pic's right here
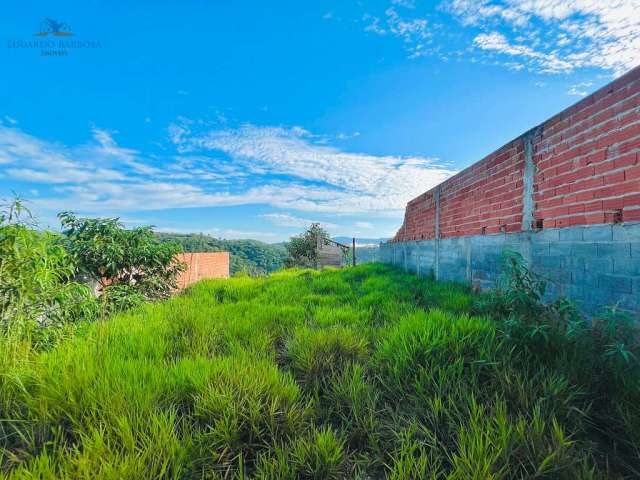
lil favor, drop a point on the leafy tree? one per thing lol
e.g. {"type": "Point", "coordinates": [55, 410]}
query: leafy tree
{"type": "Point", "coordinates": [36, 278]}
{"type": "Point", "coordinates": [303, 248]}
{"type": "Point", "coordinates": [128, 264]}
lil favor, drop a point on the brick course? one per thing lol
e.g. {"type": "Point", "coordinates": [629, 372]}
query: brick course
{"type": "Point", "coordinates": [203, 265]}
{"type": "Point", "coordinates": [587, 171]}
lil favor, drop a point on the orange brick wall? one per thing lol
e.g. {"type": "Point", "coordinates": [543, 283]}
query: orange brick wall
{"type": "Point", "coordinates": [420, 217]}
{"type": "Point", "coordinates": [203, 265]}
{"type": "Point", "coordinates": [488, 194]}
{"type": "Point", "coordinates": [587, 171]}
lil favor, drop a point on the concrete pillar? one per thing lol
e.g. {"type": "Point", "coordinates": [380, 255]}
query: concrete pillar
{"type": "Point", "coordinates": [528, 174]}
{"type": "Point", "coordinates": [528, 204]}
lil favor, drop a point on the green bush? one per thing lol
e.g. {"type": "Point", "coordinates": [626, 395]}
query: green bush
{"type": "Point", "coordinates": [38, 294]}
{"type": "Point", "coordinates": [45, 276]}
{"type": "Point", "coordinates": [134, 260]}
{"type": "Point", "coordinates": [302, 249]}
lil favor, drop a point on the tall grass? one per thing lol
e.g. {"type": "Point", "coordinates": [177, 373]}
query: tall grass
{"type": "Point", "coordinates": [358, 373]}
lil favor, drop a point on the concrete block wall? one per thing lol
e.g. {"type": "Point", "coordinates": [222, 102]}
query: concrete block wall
{"type": "Point", "coordinates": [594, 265]}
{"type": "Point", "coordinates": [566, 194]}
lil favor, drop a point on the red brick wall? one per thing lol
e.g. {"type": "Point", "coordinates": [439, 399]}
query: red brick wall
{"type": "Point", "coordinates": [587, 161]}
{"type": "Point", "coordinates": [420, 217]}
{"type": "Point", "coordinates": [488, 194]}
{"type": "Point", "coordinates": [588, 169]}
{"type": "Point", "coordinates": [203, 265]}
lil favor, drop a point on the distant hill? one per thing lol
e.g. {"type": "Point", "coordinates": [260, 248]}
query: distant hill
{"type": "Point", "coordinates": [252, 256]}
{"type": "Point", "coordinates": [258, 258]}
{"type": "Point", "coordinates": [367, 249]}
{"type": "Point", "coordinates": [360, 241]}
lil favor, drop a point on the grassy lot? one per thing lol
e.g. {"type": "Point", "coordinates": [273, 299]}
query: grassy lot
{"type": "Point", "coordinates": [360, 373]}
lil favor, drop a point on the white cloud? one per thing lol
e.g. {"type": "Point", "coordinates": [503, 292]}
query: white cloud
{"type": "Point", "coordinates": [289, 220]}
{"type": "Point", "coordinates": [404, 3]}
{"type": "Point", "coordinates": [356, 182]}
{"type": "Point", "coordinates": [473, 12]}
{"type": "Point", "coordinates": [414, 32]}
{"type": "Point", "coordinates": [373, 25]}
{"type": "Point", "coordinates": [108, 150]}
{"type": "Point", "coordinates": [71, 175]}
{"type": "Point", "coordinates": [33, 160]}
{"type": "Point", "coordinates": [546, 63]}
{"type": "Point", "coordinates": [228, 233]}
{"type": "Point", "coordinates": [561, 35]}
{"type": "Point", "coordinates": [108, 146]}
{"type": "Point", "coordinates": [579, 89]}
{"type": "Point", "coordinates": [287, 168]}
{"type": "Point", "coordinates": [365, 225]}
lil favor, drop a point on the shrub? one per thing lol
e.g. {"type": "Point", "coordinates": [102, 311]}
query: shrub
{"type": "Point", "coordinates": [597, 359]}
{"type": "Point", "coordinates": [111, 255]}
{"type": "Point", "coordinates": [37, 290]}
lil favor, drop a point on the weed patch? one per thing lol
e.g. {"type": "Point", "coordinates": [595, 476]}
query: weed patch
{"type": "Point", "coordinates": [358, 373]}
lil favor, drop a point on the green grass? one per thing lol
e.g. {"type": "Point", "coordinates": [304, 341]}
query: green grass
{"type": "Point", "coordinates": [357, 373]}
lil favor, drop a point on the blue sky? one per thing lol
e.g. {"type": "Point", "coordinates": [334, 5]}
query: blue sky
{"type": "Point", "coordinates": [250, 119]}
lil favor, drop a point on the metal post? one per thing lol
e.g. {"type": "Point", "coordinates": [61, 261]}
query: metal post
{"type": "Point", "coordinates": [353, 250]}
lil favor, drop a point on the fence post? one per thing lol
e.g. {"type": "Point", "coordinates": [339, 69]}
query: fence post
{"type": "Point", "coordinates": [353, 251]}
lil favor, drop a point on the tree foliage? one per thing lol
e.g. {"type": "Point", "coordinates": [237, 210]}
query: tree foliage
{"type": "Point", "coordinates": [303, 248]}
{"type": "Point", "coordinates": [37, 287]}
{"type": "Point", "coordinates": [250, 256]}
{"type": "Point", "coordinates": [122, 260]}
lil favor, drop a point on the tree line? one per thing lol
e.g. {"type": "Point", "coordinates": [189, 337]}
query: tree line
{"type": "Point", "coordinates": [246, 256]}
